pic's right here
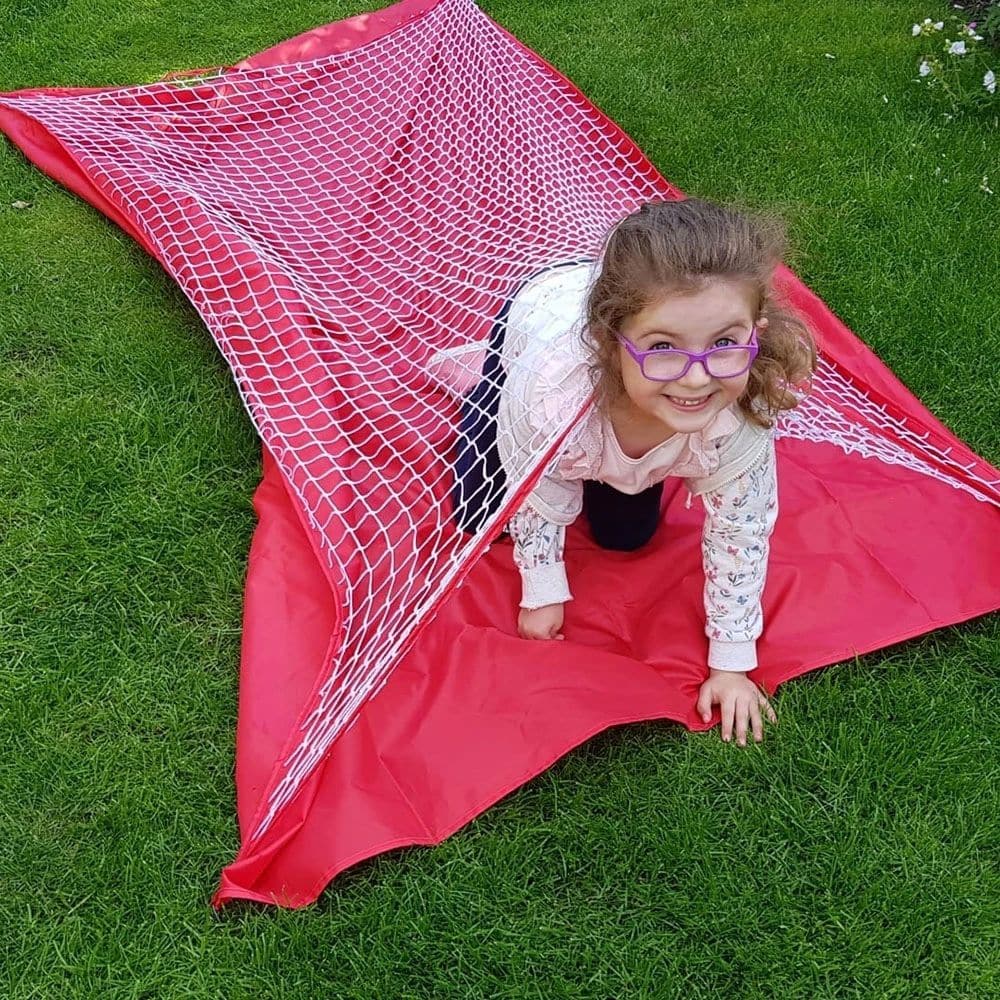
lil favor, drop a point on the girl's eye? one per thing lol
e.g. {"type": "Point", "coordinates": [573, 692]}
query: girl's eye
{"type": "Point", "coordinates": [725, 342]}
{"type": "Point", "coordinates": [662, 345]}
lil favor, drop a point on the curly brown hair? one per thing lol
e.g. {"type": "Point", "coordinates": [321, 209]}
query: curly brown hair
{"type": "Point", "coordinates": [668, 247]}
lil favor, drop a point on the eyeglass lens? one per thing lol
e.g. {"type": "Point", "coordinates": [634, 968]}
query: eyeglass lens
{"type": "Point", "coordinates": [721, 363]}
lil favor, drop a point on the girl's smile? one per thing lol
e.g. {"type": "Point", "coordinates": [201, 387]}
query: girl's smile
{"type": "Point", "coordinates": [690, 404]}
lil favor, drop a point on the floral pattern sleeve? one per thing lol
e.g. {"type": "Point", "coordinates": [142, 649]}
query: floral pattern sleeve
{"type": "Point", "coordinates": [538, 554]}
{"type": "Point", "coordinates": [739, 519]}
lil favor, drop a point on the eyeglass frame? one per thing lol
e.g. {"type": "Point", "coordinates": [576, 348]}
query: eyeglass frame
{"type": "Point", "coordinates": [752, 347]}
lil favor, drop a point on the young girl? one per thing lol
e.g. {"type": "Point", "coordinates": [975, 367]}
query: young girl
{"type": "Point", "coordinates": [675, 338]}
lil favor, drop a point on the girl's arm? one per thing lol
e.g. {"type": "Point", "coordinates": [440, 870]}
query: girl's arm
{"type": "Point", "coordinates": [524, 429]}
{"type": "Point", "coordinates": [739, 519]}
{"type": "Point", "coordinates": [538, 554]}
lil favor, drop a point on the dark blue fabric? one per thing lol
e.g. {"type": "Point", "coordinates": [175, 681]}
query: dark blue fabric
{"type": "Point", "coordinates": [480, 481]}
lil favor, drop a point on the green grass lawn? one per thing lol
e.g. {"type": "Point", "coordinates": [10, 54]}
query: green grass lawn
{"type": "Point", "coordinates": [852, 854]}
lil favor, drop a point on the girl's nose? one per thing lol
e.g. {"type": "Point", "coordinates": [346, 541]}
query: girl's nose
{"type": "Point", "coordinates": [696, 376]}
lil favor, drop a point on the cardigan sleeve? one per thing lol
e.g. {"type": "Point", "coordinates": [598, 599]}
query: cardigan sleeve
{"type": "Point", "coordinates": [538, 555]}
{"type": "Point", "coordinates": [739, 518]}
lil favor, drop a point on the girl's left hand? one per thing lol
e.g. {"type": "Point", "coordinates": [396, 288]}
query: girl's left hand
{"type": "Point", "coordinates": [740, 701]}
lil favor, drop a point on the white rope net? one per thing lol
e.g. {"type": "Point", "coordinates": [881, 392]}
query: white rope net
{"type": "Point", "coordinates": [339, 223]}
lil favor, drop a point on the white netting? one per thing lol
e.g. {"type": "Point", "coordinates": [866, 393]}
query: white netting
{"type": "Point", "coordinates": [348, 227]}
{"type": "Point", "coordinates": [837, 412]}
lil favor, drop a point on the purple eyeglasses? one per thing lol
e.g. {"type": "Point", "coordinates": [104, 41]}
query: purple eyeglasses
{"type": "Point", "coordinates": [718, 362]}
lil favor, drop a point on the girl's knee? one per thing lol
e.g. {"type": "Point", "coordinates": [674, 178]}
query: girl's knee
{"type": "Point", "coordinates": [623, 537]}
{"type": "Point", "coordinates": [619, 521]}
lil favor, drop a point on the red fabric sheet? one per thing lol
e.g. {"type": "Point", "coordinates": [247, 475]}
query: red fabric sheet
{"type": "Point", "coordinates": [865, 554]}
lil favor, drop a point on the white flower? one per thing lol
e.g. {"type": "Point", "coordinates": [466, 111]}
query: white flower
{"type": "Point", "coordinates": [990, 81]}
{"type": "Point", "coordinates": [916, 30]}
{"type": "Point", "coordinates": [925, 68]}
{"type": "Point", "coordinates": [956, 49]}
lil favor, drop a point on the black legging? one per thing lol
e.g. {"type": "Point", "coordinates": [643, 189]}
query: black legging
{"type": "Point", "coordinates": [619, 521]}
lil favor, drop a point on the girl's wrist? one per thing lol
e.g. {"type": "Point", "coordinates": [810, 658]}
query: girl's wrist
{"type": "Point", "coordinates": [544, 585]}
{"type": "Point", "coordinates": [732, 657]}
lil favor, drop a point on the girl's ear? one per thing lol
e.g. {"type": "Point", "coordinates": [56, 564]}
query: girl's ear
{"type": "Point", "coordinates": [762, 323]}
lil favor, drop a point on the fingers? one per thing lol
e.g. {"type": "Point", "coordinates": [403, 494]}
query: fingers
{"type": "Point", "coordinates": [756, 723]}
{"type": "Point", "coordinates": [742, 711]}
{"type": "Point", "coordinates": [728, 714]}
{"type": "Point", "coordinates": [539, 624]}
{"type": "Point", "coordinates": [539, 634]}
{"type": "Point", "coordinates": [742, 714]}
{"type": "Point", "coordinates": [704, 705]}
{"type": "Point", "coordinates": [769, 710]}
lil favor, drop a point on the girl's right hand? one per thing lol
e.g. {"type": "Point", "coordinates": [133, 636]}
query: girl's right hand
{"type": "Point", "coordinates": [541, 623]}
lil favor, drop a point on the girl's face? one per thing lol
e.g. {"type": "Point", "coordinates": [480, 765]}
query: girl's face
{"type": "Point", "coordinates": [719, 314]}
